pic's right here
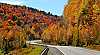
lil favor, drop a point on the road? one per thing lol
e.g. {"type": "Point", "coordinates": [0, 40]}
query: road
{"type": "Point", "coordinates": [68, 50]}
{"type": "Point", "coordinates": [54, 51]}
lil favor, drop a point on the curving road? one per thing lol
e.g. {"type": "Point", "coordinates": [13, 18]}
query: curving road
{"type": "Point", "coordinates": [67, 50]}
{"type": "Point", "coordinates": [54, 51]}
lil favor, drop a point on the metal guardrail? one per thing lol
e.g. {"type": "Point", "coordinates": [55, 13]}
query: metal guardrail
{"type": "Point", "coordinates": [45, 51]}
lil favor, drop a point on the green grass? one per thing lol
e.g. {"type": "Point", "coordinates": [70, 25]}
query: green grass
{"type": "Point", "coordinates": [1, 52]}
{"type": "Point", "coordinates": [33, 50]}
{"type": "Point", "coordinates": [36, 51]}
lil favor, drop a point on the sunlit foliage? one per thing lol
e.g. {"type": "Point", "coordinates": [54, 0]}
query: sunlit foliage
{"type": "Point", "coordinates": [21, 23]}
{"type": "Point", "coordinates": [82, 17]}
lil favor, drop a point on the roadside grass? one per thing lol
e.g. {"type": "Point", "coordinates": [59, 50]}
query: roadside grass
{"type": "Point", "coordinates": [31, 50]}
{"type": "Point", "coordinates": [36, 51]}
{"type": "Point", "coordinates": [1, 52]}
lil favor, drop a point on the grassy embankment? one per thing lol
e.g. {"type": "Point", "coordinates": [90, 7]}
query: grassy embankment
{"type": "Point", "coordinates": [31, 50]}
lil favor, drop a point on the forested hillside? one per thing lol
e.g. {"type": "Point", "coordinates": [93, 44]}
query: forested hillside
{"type": "Point", "coordinates": [21, 23]}
{"type": "Point", "coordinates": [78, 26]}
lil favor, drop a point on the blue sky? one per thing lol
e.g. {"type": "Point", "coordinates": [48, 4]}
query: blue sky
{"type": "Point", "coordinates": [53, 6]}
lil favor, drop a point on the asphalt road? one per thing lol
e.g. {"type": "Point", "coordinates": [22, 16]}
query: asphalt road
{"type": "Point", "coordinates": [54, 51]}
{"type": "Point", "coordinates": [67, 50]}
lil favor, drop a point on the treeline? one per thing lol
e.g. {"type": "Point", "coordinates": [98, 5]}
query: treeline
{"type": "Point", "coordinates": [21, 23]}
{"type": "Point", "coordinates": [80, 26]}
{"type": "Point", "coordinates": [83, 19]}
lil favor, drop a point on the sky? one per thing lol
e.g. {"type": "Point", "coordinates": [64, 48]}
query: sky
{"type": "Point", "coordinates": [54, 6]}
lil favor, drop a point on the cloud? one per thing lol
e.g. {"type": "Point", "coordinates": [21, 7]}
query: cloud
{"type": "Point", "coordinates": [14, 2]}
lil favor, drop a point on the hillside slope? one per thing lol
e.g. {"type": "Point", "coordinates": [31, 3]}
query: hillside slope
{"type": "Point", "coordinates": [21, 23]}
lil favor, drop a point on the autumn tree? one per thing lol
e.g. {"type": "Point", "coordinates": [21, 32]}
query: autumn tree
{"type": "Point", "coordinates": [82, 17]}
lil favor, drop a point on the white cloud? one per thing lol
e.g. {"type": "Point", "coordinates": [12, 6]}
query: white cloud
{"type": "Point", "coordinates": [14, 2]}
